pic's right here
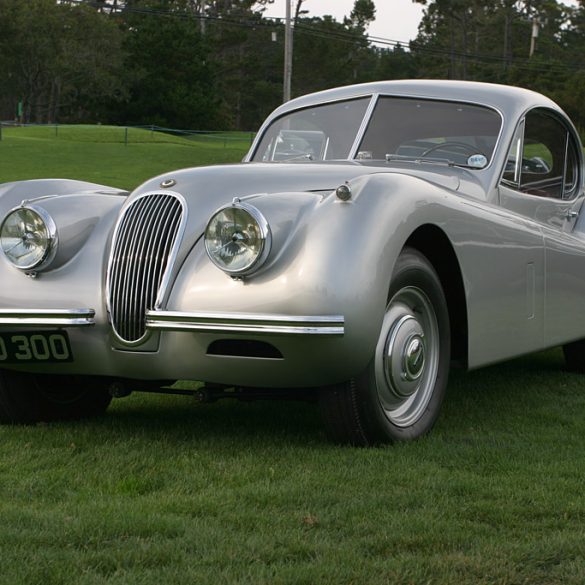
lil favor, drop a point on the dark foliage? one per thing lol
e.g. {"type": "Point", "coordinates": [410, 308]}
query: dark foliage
{"type": "Point", "coordinates": [218, 64]}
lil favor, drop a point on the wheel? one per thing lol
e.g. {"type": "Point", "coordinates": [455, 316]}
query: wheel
{"type": "Point", "coordinates": [30, 398]}
{"type": "Point", "coordinates": [399, 395]}
{"type": "Point", "coordinates": [575, 356]}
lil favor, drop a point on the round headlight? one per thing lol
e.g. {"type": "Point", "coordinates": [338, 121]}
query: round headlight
{"type": "Point", "coordinates": [237, 239]}
{"type": "Point", "coordinates": [28, 237]}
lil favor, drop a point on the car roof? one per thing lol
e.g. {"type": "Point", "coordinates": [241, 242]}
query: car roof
{"type": "Point", "coordinates": [508, 100]}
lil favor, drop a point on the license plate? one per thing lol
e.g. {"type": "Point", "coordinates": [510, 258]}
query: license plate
{"type": "Point", "coordinates": [45, 346]}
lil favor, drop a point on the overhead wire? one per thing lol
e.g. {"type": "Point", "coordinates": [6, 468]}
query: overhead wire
{"type": "Point", "coordinates": [342, 36]}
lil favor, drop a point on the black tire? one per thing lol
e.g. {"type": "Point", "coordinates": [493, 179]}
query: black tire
{"type": "Point", "coordinates": [399, 396]}
{"type": "Point", "coordinates": [575, 356]}
{"type": "Point", "coordinates": [30, 398]}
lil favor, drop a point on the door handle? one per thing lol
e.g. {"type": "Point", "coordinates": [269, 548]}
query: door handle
{"type": "Point", "coordinates": [571, 214]}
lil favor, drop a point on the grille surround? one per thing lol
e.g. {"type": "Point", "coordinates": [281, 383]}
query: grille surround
{"type": "Point", "coordinates": [144, 249]}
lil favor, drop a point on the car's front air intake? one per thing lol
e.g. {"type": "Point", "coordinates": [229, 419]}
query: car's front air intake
{"type": "Point", "coordinates": [145, 241]}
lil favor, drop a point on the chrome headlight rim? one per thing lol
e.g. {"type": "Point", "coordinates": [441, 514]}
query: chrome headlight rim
{"type": "Point", "coordinates": [265, 233]}
{"type": "Point", "coordinates": [52, 238]}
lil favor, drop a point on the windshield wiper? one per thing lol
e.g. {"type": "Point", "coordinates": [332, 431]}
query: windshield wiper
{"type": "Point", "coordinates": [427, 159]}
{"type": "Point", "coordinates": [420, 159]}
{"type": "Point", "coordinates": [297, 157]}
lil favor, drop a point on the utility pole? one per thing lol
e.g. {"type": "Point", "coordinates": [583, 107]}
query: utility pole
{"type": "Point", "coordinates": [288, 52]}
{"type": "Point", "coordinates": [535, 27]}
{"type": "Point", "coordinates": [202, 17]}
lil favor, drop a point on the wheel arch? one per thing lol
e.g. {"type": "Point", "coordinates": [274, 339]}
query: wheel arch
{"type": "Point", "coordinates": [432, 241]}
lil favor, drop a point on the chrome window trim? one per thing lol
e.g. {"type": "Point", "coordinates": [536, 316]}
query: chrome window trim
{"type": "Point", "coordinates": [246, 323]}
{"type": "Point", "coordinates": [518, 166]}
{"type": "Point", "coordinates": [270, 120]}
{"type": "Point", "coordinates": [47, 317]}
{"type": "Point", "coordinates": [451, 101]}
{"type": "Point", "coordinates": [363, 127]}
{"type": "Point", "coordinates": [571, 130]}
{"type": "Point", "coordinates": [368, 116]}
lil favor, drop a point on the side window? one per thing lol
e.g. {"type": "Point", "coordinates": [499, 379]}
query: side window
{"type": "Point", "coordinates": [543, 158]}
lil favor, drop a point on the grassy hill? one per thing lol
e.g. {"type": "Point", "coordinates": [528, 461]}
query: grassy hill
{"type": "Point", "coordinates": [100, 153]}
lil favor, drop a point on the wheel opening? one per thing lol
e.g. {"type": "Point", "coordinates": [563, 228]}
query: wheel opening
{"type": "Point", "coordinates": [434, 244]}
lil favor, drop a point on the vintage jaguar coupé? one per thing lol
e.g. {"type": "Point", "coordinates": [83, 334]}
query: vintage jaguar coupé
{"type": "Point", "coordinates": [373, 236]}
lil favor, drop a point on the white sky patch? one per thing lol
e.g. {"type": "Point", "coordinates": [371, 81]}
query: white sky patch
{"type": "Point", "coordinates": [396, 20]}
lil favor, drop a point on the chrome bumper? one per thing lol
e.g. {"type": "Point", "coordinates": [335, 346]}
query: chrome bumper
{"type": "Point", "coordinates": [176, 321]}
{"type": "Point", "coordinates": [47, 317]}
{"type": "Point", "coordinates": [246, 323]}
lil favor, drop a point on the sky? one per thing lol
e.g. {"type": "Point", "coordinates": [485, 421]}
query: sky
{"type": "Point", "coordinates": [395, 19]}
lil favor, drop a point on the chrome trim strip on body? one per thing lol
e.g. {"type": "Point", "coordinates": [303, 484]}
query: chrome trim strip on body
{"type": "Point", "coordinates": [246, 323]}
{"type": "Point", "coordinates": [47, 317]}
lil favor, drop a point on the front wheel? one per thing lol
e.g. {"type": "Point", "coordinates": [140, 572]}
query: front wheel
{"type": "Point", "coordinates": [30, 398]}
{"type": "Point", "coordinates": [399, 395]}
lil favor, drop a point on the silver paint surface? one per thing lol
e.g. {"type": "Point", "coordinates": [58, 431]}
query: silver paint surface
{"type": "Point", "coordinates": [522, 259]}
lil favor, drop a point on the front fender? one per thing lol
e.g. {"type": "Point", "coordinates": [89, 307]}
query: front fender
{"type": "Point", "coordinates": [335, 258]}
{"type": "Point", "coordinates": [84, 214]}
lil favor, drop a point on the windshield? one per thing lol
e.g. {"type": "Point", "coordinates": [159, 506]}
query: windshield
{"type": "Point", "coordinates": [324, 132]}
{"type": "Point", "coordinates": [407, 128]}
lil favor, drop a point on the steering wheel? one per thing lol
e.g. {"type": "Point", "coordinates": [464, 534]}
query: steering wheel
{"type": "Point", "coordinates": [453, 144]}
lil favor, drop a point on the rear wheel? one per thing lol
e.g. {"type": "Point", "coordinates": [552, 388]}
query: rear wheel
{"type": "Point", "coordinates": [399, 395]}
{"type": "Point", "coordinates": [30, 398]}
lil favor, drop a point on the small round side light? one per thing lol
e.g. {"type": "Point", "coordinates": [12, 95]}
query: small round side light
{"type": "Point", "coordinates": [343, 192]}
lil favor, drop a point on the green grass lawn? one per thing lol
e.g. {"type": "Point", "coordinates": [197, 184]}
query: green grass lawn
{"type": "Point", "coordinates": [165, 490]}
{"type": "Point", "coordinates": [99, 153]}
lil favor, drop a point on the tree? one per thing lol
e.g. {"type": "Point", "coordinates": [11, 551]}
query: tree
{"type": "Point", "coordinates": [168, 63]}
{"type": "Point", "coordinates": [58, 59]}
{"type": "Point", "coordinates": [363, 13]}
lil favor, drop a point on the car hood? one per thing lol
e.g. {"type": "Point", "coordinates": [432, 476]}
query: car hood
{"type": "Point", "coordinates": [223, 183]}
{"type": "Point", "coordinates": [286, 193]}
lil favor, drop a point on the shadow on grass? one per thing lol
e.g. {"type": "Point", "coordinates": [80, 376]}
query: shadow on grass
{"type": "Point", "coordinates": [498, 396]}
{"type": "Point", "coordinates": [182, 418]}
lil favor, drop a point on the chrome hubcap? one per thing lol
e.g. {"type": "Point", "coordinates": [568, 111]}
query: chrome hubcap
{"type": "Point", "coordinates": [413, 360]}
{"type": "Point", "coordinates": [407, 356]}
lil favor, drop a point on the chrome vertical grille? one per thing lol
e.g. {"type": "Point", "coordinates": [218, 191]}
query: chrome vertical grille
{"type": "Point", "coordinates": [145, 240]}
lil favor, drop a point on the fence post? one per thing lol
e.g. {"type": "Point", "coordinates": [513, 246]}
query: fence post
{"type": "Point", "coordinates": [56, 130]}
{"type": "Point", "coordinates": [126, 136]}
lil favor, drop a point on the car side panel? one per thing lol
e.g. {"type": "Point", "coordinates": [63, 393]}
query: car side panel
{"type": "Point", "coordinates": [342, 261]}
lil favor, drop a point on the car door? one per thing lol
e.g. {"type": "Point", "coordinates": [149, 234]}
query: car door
{"type": "Point", "coordinates": [543, 181]}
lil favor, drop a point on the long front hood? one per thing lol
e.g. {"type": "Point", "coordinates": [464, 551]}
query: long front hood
{"type": "Point", "coordinates": [207, 188]}
{"type": "Point", "coordinates": [228, 181]}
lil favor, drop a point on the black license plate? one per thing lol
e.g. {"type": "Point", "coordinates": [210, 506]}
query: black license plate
{"type": "Point", "coordinates": [45, 347]}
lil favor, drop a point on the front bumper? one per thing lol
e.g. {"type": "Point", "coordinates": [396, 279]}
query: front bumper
{"type": "Point", "coordinates": [314, 350]}
{"type": "Point", "coordinates": [246, 323]}
{"type": "Point", "coordinates": [47, 317]}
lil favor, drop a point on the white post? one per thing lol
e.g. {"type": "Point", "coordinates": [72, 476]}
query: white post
{"type": "Point", "coordinates": [202, 16]}
{"type": "Point", "coordinates": [535, 27]}
{"type": "Point", "coordinates": [288, 52]}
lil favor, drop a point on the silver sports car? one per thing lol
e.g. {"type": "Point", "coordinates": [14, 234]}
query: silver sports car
{"type": "Point", "coordinates": [373, 236]}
